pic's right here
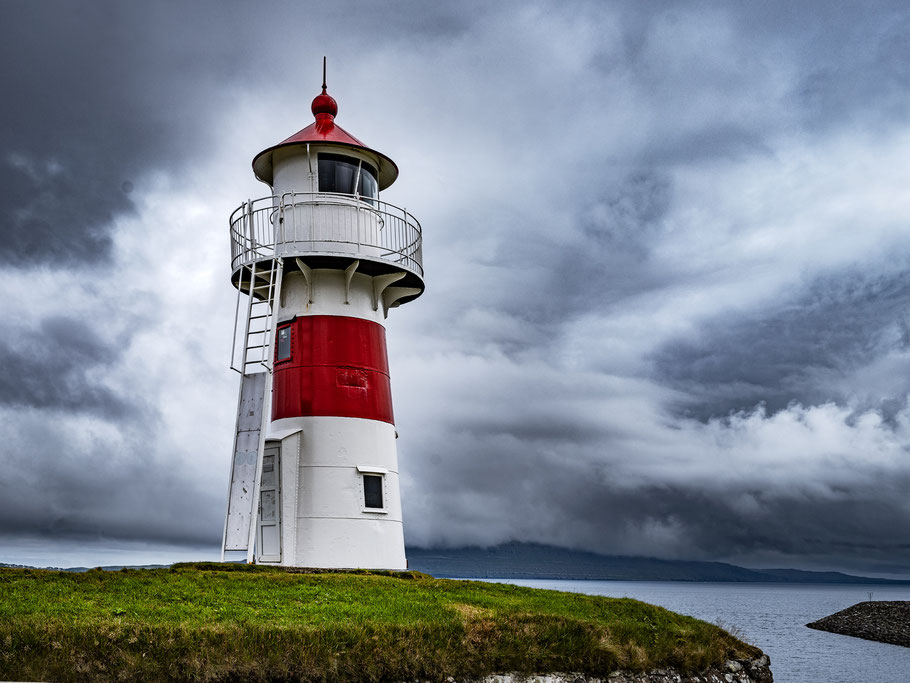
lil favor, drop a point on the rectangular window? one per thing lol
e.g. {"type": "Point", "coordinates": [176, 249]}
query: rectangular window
{"type": "Point", "coordinates": [372, 491]}
{"type": "Point", "coordinates": [283, 351]}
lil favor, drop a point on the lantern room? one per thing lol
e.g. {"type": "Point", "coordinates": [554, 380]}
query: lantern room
{"type": "Point", "coordinates": [325, 207]}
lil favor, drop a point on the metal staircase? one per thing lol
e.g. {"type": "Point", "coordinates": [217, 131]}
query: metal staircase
{"type": "Point", "coordinates": [260, 281]}
{"type": "Point", "coordinates": [251, 356]}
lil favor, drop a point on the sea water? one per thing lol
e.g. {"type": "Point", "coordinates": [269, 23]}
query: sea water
{"type": "Point", "coordinates": [773, 617]}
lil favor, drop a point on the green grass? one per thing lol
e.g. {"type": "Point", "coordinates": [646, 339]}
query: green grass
{"type": "Point", "coordinates": [238, 622]}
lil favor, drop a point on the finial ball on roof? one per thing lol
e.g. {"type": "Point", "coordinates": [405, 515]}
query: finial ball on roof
{"type": "Point", "coordinates": [324, 104]}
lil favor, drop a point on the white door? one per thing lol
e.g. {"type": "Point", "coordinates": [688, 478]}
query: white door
{"type": "Point", "coordinates": [269, 537]}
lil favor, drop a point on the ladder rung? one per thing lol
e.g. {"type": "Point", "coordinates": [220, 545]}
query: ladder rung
{"type": "Point", "coordinates": [261, 286]}
{"type": "Point", "coordinates": [258, 271]}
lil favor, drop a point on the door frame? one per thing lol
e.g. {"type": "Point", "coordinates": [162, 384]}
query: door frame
{"type": "Point", "coordinates": [273, 449]}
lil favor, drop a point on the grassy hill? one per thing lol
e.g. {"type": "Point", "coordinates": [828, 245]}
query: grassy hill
{"type": "Point", "coordinates": [241, 622]}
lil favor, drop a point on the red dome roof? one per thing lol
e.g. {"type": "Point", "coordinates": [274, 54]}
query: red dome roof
{"type": "Point", "coordinates": [324, 130]}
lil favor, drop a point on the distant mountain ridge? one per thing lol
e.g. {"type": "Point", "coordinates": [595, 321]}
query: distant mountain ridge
{"type": "Point", "coordinates": [534, 561]}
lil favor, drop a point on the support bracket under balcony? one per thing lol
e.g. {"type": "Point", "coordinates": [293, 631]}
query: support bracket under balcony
{"type": "Point", "coordinates": [392, 295]}
{"type": "Point", "coordinates": [381, 282]}
{"type": "Point", "coordinates": [308, 276]}
{"type": "Point", "coordinates": [348, 274]}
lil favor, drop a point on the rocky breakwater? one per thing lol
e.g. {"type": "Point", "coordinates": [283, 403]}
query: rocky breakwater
{"type": "Point", "coordinates": [884, 621]}
{"type": "Point", "coordinates": [733, 671]}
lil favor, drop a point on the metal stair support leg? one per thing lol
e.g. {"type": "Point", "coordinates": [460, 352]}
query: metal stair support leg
{"type": "Point", "coordinates": [241, 488]}
{"type": "Point", "coordinates": [278, 265]}
{"type": "Point", "coordinates": [253, 411]}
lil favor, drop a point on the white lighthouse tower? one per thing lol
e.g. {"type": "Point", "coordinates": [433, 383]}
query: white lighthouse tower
{"type": "Point", "coordinates": [318, 264]}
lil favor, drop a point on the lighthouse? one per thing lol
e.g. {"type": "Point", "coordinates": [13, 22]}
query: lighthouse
{"type": "Point", "coordinates": [318, 264]}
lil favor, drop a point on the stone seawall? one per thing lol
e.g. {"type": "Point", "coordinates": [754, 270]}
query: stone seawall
{"type": "Point", "coordinates": [883, 621]}
{"type": "Point", "coordinates": [734, 671]}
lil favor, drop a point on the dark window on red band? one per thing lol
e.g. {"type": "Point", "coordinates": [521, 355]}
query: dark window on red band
{"type": "Point", "coordinates": [372, 491]}
{"type": "Point", "coordinates": [283, 352]}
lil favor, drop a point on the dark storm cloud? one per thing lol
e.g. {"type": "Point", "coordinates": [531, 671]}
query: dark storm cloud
{"type": "Point", "coordinates": [545, 274]}
{"type": "Point", "coordinates": [854, 58]}
{"type": "Point", "coordinates": [851, 59]}
{"type": "Point", "coordinates": [83, 460]}
{"type": "Point", "coordinates": [48, 216]}
{"type": "Point", "coordinates": [69, 480]}
{"type": "Point", "coordinates": [569, 135]}
{"type": "Point", "coordinates": [843, 512]}
{"type": "Point", "coordinates": [97, 96]}
{"type": "Point", "coordinates": [618, 231]}
{"type": "Point", "coordinates": [556, 457]}
{"type": "Point", "coordinates": [856, 524]}
{"type": "Point", "coordinates": [722, 101]}
{"type": "Point", "coordinates": [794, 351]}
{"type": "Point", "coordinates": [722, 141]}
{"type": "Point", "coordinates": [52, 367]}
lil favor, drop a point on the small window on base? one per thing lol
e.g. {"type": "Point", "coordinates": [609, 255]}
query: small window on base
{"type": "Point", "coordinates": [372, 491]}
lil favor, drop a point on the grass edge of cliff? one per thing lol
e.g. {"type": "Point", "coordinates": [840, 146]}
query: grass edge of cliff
{"type": "Point", "coordinates": [211, 621]}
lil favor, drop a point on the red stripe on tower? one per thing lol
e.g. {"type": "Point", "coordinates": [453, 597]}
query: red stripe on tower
{"type": "Point", "coordinates": [332, 366]}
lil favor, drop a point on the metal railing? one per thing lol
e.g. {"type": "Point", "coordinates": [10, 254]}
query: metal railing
{"type": "Point", "coordinates": [300, 223]}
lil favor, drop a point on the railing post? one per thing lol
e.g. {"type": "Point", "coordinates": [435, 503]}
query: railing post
{"type": "Point", "coordinates": [249, 222]}
{"type": "Point", "coordinates": [283, 233]}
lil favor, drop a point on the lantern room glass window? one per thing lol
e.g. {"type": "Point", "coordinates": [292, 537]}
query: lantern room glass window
{"type": "Point", "coordinates": [339, 173]}
{"type": "Point", "coordinates": [283, 351]}
{"type": "Point", "coordinates": [372, 491]}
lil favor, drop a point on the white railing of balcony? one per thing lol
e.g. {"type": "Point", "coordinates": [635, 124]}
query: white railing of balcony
{"type": "Point", "coordinates": [301, 223]}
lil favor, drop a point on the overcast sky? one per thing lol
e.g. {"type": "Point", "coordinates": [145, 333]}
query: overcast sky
{"type": "Point", "coordinates": [666, 251]}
